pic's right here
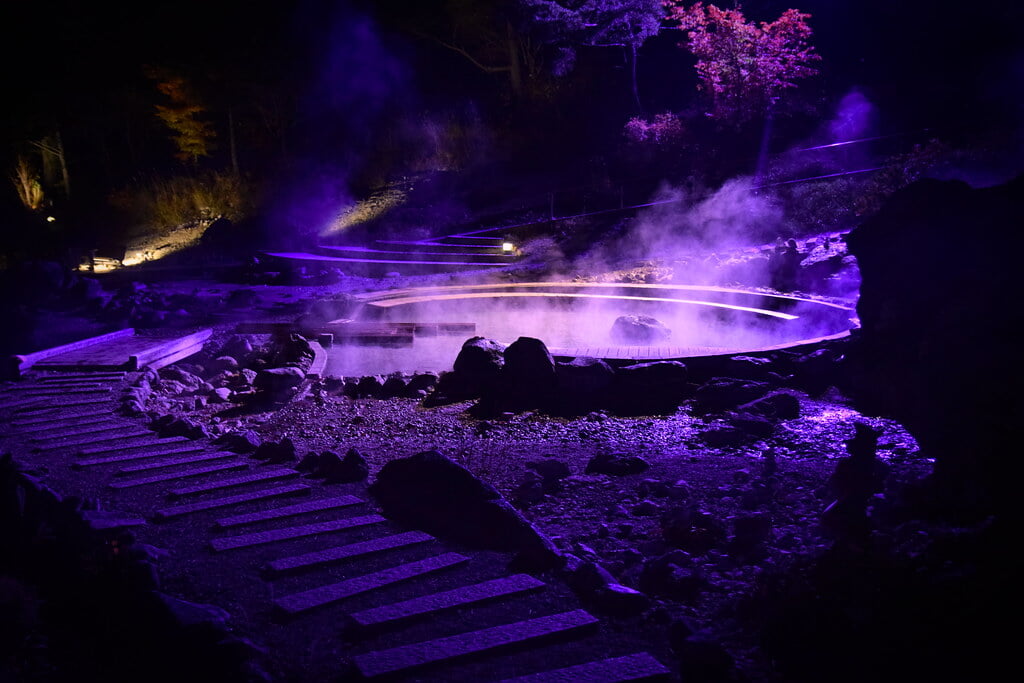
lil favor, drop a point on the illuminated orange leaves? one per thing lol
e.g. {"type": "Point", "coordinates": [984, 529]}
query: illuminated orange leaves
{"type": "Point", "coordinates": [192, 136]}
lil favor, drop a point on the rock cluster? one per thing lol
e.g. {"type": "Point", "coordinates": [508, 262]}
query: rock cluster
{"type": "Point", "coordinates": [524, 376]}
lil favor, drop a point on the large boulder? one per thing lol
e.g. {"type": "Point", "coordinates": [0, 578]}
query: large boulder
{"type": "Point", "coordinates": [431, 492]}
{"type": "Point", "coordinates": [650, 388]}
{"type": "Point", "coordinates": [584, 385]}
{"type": "Point", "coordinates": [475, 370]}
{"type": "Point", "coordinates": [641, 330]}
{"type": "Point", "coordinates": [528, 377]}
{"type": "Point", "coordinates": [939, 342]}
{"type": "Point", "coordinates": [725, 393]}
{"type": "Point", "coordinates": [278, 383]}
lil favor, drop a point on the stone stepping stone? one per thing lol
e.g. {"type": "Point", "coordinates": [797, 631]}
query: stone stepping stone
{"type": "Point", "coordinates": [437, 602]}
{"type": "Point", "coordinates": [95, 429]}
{"type": "Point", "coordinates": [78, 426]}
{"type": "Point", "coordinates": [64, 391]}
{"type": "Point", "coordinates": [101, 520]}
{"type": "Point", "coordinates": [638, 667]}
{"type": "Point", "coordinates": [171, 462]}
{"type": "Point", "coordinates": [344, 552]}
{"type": "Point", "coordinates": [227, 501]}
{"type": "Point", "coordinates": [288, 533]}
{"type": "Point", "coordinates": [127, 457]}
{"type": "Point", "coordinates": [63, 377]}
{"type": "Point", "coordinates": [73, 441]}
{"type": "Point", "coordinates": [60, 419]}
{"type": "Point", "coordinates": [317, 505]}
{"type": "Point", "coordinates": [20, 404]}
{"type": "Point", "coordinates": [139, 446]}
{"type": "Point", "coordinates": [76, 383]}
{"type": "Point", "coordinates": [54, 405]}
{"type": "Point", "coordinates": [325, 595]}
{"type": "Point", "coordinates": [182, 474]}
{"type": "Point", "coordinates": [264, 475]}
{"type": "Point", "coordinates": [415, 655]}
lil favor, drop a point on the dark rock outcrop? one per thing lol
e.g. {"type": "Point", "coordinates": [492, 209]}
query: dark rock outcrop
{"type": "Point", "coordinates": [430, 492]}
{"type": "Point", "coordinates": [527, 379]}
{"type": "Point", "coordinates": [650, 388]}
{"type": "Point", "coordinates": [583, 385]}
{"type": "Point", "coordinates": [939, 335]}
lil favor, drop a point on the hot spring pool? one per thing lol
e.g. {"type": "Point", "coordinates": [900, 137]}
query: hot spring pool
{"type": "Point", "coordinates": [575, 319]}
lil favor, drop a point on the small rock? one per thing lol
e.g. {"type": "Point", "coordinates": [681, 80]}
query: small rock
{"type": "Point", "coordinates": [222, 364]}
{"type": "Point", "coordinates": [371, 386]}
{"type": "Point", "coordinates": [221, 395]}
{"type": "Point", "coordinates": [779, 405]}
{"type": "Point", "coordinates": [337, 470]}
{"type": "Point", "coordinates": [617, 464]}
{"type": "Point", "coordinates": [618, 600]}
{"type": "Point", "coordinates": [646, 508]}
{"type": "Point", "coordinates": [242, 441]}
{"type": "Point", "coordinates": [530, 489]}
{"type": "Point", "coordinates": [394, 385]}
{"type": "Point", "coordinates": [276, 452]}
{"type": "Point", "coordinates": [310, 462]}
{"type": "Point", "coordinates": [654, 487]}
{"type": "Point", "coordinates": [276, 382]}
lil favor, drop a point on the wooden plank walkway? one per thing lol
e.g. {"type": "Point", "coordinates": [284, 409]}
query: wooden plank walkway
{"type": "Point", "coordinates": [122, 350]}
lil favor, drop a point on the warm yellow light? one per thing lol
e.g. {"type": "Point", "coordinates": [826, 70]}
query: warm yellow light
{"type": "Point", "coordinates": [50, 219]}
{"type": "Point", "coordinates": [507, 246]}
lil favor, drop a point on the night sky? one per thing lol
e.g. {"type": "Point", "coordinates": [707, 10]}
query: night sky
{"type": "Point", "coordinates": [329, 74]}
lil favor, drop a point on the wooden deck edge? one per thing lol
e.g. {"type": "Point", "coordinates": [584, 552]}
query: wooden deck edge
{"type": "Point", "coordinates": [172, 346]}
{"type": "Point", "coordinates": [18, 363]}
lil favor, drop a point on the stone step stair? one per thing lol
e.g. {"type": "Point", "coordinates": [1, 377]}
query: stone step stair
{"type": "Point", "coordinates": [414, 607]}
{"type": "Point", "coordinates": [262, 537]}
{"type": "Point", "coordinates": [416, 655]}
{"type": "Point", "coordinates": [287, 490]}
{"type": "Point", "coordinates": [636, 667]}
{"type": "Point", "coordinates": [180, 474]}
{"type": "Point", "coordinates": [325, 595]}
{"type": "Point", "coordinates": [317, 505]}
{"type": "Point", "coordinates": [175, 448]}
{"type": "Point", "coordinates": [319, 558]}
{"type": "Point", "coordinates": [434, 603]}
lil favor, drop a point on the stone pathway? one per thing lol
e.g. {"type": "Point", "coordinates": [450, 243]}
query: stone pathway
{"type": "Point", "coordinates": [371, 600]}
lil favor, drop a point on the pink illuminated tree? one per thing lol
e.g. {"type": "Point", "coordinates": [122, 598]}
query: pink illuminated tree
{"type": "Point", "coordinates": [745, 68]}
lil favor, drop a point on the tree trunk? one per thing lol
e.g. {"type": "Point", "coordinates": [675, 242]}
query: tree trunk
{"type": "Point", "coordinates": [231, 141]}
{"type": "Point", "coordinates": [762, 152]}
{"type": "Point", "coordinates": [63, 164]}
{"type": "Point", "coordinates": [515, 71]}
{"type": "Point", "coordinates": [632, 78]}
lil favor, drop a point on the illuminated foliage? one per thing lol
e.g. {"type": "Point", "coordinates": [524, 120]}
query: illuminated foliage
{"type": "Point", "coordinates": [192, 136]}
{"type": "Point", "coordinates": [665, 129]}
{"type": "Point", "coordinates": [745, 67]}
{"type": "Point", "coordinates": [26, 183]}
